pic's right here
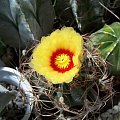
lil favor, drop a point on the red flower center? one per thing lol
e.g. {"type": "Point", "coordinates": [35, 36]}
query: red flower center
{"type": "Point", "coordinates": [61, 60]}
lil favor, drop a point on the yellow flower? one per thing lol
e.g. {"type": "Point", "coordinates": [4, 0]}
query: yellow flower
{"type": "Point", "coordinates": [59, 56]}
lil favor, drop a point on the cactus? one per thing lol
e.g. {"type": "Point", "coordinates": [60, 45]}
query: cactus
{"type": "Point", "coordinates": [108, 40]}
{"type": "Point", "coordinates": [24, 21]}
{"type": "Point", "coordinates": [5, 97]}
{"type": "Point", "coordinates": [14, 77]}
{"type": "Point", "coordinates": [76, 12]}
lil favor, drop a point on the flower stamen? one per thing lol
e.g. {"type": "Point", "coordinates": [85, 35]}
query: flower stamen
{"type": "Point", "coordinates": [62, 60]}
